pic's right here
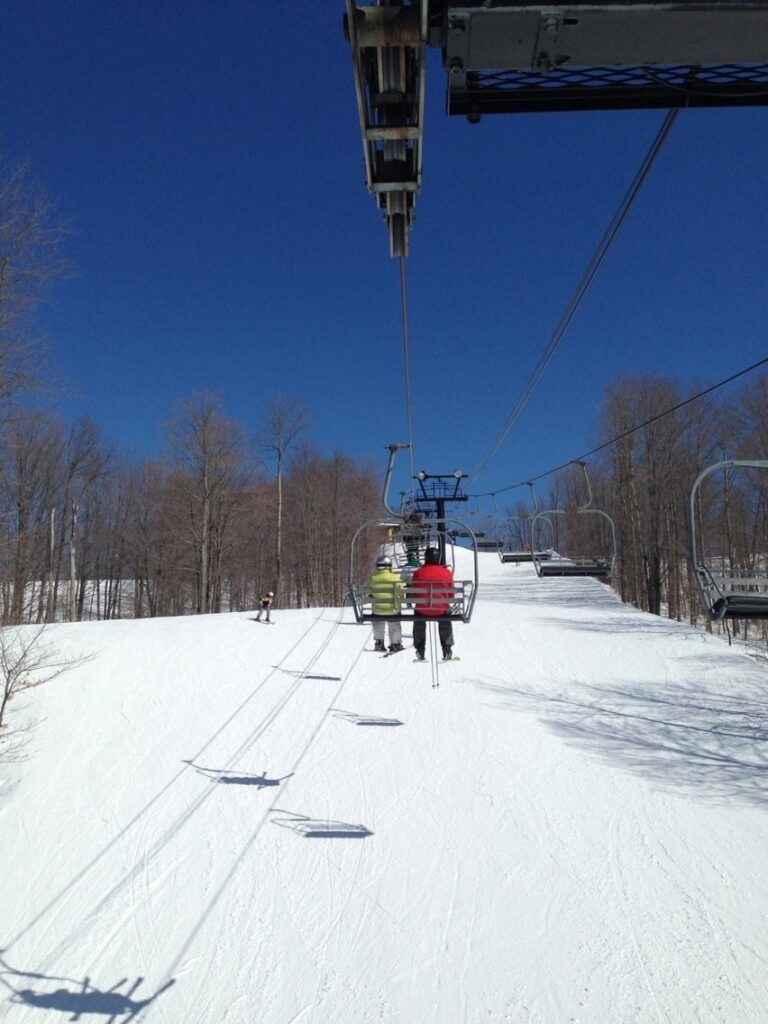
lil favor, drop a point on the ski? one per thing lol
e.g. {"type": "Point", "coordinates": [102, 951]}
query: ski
{"type": "Point", "coordinates": [390, 653]}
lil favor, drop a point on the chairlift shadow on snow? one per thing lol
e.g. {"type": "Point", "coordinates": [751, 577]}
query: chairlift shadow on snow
{"type": "Point", "coordinates": [688, 735]}
{"type": "Point", "coordinates": [626, 620]}
{"type": "Point", "coordinates": [221, 775]}
{"type": "Point", "coordinates": [298, 673]}
{"type": "Point", "coordinates": [558, 591]}
{"type": "Point", "coordinates": [320, 828]}
{"type": "Point", "coordinates": [355, 719]}
{"type": "Point", "coordinates": [81, 998]}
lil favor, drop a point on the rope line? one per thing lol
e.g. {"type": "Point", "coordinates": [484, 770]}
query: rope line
{"type": "Point", "coordinates": [631, 430]}
{"type": "Point", "coordinates": [581, 289]}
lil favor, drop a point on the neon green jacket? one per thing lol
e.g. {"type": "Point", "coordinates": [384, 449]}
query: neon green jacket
{"type": "Point", "coordinates": [386, 591]}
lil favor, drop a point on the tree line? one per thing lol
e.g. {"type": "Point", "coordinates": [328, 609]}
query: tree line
{"type": "Point", "coordinates": [215, 522]}
{"type": "Point", "coordinates": [643, 481]}
{"type": "Point", "coordinates": [208, 527]}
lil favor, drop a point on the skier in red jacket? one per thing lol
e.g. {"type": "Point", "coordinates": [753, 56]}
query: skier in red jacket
{"type": "Point", "coordinates": [432, 592]}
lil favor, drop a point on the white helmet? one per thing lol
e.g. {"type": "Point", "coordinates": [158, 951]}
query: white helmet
{"type": "Point", "coordinates": [384, 562]}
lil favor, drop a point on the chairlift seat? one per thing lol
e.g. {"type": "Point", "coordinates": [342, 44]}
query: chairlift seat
{"type": "Point", "coordinates": [597, 567]}
{"type": "Point", "coordinates": [740, 606]}
{"type": "Point", "coordinates": [524, 556]}
{"type": "Point", "coordinates": [458, 597]}
{"type": "Point", "coordinates": [729, 597]}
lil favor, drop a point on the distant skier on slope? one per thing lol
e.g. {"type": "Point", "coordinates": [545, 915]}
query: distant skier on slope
{"type": "Point", "coordinates": [386, 592]}
{"type": "Point", "coordinates": [432, 591]}
{"type": "Point", "coordinates": [265, 605]}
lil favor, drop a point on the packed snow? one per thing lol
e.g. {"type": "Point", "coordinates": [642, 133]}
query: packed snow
{"type": "Point", "coordinates": [210, 820]}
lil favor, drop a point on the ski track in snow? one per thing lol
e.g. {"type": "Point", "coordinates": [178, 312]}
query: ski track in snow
{"type": "Point", "coordinates": [218, 824]}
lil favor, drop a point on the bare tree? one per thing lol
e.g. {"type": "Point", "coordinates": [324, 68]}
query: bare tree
{"type": "Point", "coordinates": [30, 256]}
{"type": "Point", "coordinates": [208, 453]}
{"type": "Point", "coordinates": [286, 418]}
{"type": "Point", "coordinates": [27, 660]}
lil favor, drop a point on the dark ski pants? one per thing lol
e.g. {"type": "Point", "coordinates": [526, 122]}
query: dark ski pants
{"type": "Point", "coordinates": [445, 629]}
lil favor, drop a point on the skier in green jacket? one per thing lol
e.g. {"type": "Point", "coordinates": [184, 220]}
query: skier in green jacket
{"type": "Point", "coordinates": [386, 592]}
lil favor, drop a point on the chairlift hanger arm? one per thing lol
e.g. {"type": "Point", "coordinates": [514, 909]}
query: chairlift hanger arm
{"type": "Point", "coordinates": [393, 450]}
{"type": "Point", "coordinates": [588, 502]}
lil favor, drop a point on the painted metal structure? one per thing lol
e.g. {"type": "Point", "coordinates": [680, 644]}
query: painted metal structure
{"type": "Point", "coordinates": [513, 56]}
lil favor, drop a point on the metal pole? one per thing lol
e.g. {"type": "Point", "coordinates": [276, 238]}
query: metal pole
{"type": "Point", "coordinates": [440, 503]}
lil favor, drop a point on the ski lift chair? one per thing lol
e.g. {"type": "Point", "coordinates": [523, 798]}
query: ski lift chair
{"type": "Point", "coordinates": [489, 544]}
{"type": "Point", "coordinates": [524, 556]}
{"type": "Point", "coordinates": [726, 594]}
{"type": "Point", "coordinates": [464, 592]}
{"type": "Point", "coordinates": [491, 541]}
{"type": "Point", "coordinates": [515, 552]}
{"type": "Point", "coordinates": [599, 565]}
{"type": "Point", "coordinates": [548, 563]}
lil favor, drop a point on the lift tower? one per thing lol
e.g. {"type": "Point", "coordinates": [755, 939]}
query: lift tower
{"type": "Point", "coordinates": [514, 56]}
{"type": "Point", "coordinates": [436, 490]}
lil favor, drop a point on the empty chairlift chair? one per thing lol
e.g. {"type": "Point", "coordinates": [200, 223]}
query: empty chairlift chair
{"type": "Point", "coordinates": [599, 564]}
{"type": "Point", "coordinates": [733, 584]}
{"type": "Point", "coordinates": [517, 549]}
{"type": "Point", "coordinates": [520, 546]}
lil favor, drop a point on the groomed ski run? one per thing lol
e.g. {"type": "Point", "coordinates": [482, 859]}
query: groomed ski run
{"type": "Point", "coordinates": [207, 823]}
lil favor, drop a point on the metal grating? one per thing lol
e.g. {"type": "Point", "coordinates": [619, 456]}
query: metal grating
{"type": "Point", "coordinates": [599, 88]}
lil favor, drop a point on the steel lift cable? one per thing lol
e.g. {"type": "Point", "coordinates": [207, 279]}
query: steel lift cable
{"type": "Point", "coordinates": [581, 289]}
{"type": "Point", "coordinates": [407, 363]}
{"type": "Point", "coordinates": [627, 433]}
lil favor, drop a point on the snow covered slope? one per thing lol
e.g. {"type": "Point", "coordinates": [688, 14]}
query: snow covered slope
{"type": "Point", "coordinates": [222, 821]}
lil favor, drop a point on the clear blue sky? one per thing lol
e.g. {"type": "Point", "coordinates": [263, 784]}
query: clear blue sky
{"type": "Point", "coordinates": [209, 159]}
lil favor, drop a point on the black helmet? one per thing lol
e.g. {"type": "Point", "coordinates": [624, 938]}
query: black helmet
{"type": "Point", "coordinates": [384, 562]}
{"type": "Point", "coordinates": [432, 556]}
